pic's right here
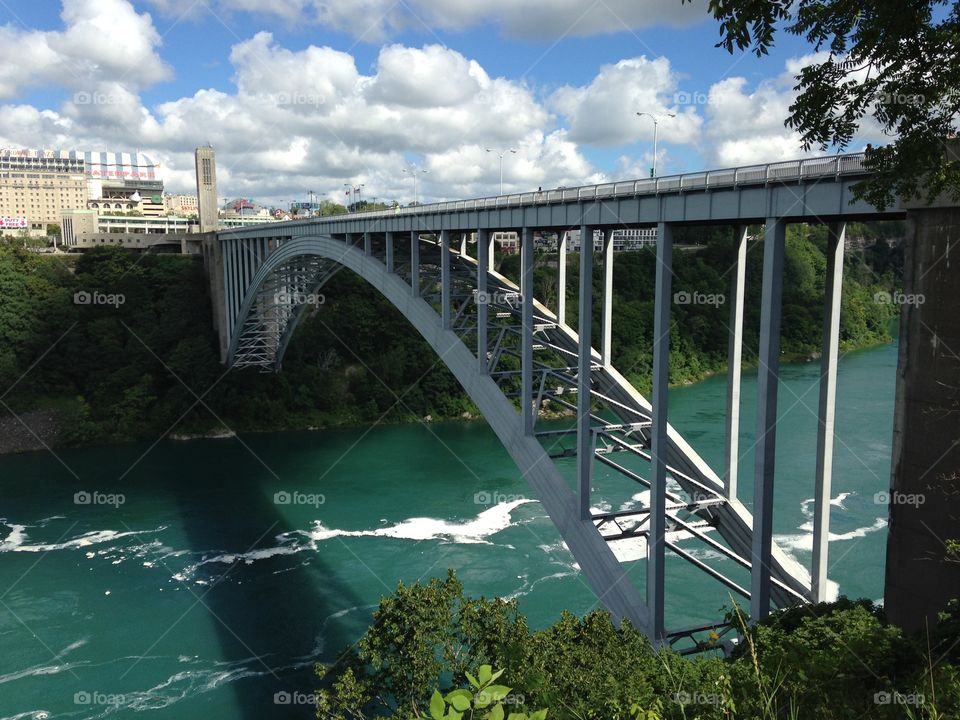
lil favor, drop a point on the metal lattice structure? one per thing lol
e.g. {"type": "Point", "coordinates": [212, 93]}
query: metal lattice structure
{"type": "Point", "coordinates": [516, 357]}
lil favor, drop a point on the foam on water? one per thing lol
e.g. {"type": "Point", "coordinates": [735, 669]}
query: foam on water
{"type": "Point", "coordinates": [476, 531]}
{"type": "Point", "coordinates": [38, 670]}
{"type": "Point", "coordinates": [16, 539]}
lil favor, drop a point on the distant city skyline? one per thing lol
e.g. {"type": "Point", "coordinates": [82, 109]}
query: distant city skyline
{"type": "Point", "coordinates": [299, 96]}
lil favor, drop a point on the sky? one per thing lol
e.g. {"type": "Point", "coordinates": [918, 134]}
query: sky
{"type": "Point", "coordinates": [314, 95]}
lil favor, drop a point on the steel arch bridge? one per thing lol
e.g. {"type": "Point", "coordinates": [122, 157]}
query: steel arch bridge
{"type": "Point", "coordinates": [514, 356]}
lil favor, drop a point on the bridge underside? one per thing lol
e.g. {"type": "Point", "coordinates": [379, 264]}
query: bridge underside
{"type": "Point", "coordinates": [596, 472]}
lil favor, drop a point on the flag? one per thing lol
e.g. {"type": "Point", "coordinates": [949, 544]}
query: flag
{"type": "Point", "coordinates": [347, 192]}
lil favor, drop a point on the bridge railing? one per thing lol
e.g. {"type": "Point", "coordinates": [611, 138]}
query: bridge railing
{"type": "Point", "coordinates": [779, 172]}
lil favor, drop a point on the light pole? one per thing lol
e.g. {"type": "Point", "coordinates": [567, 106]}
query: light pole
{"type": "Point", "coordinates": [310, 194]}
{"type": "Point", "coordinates": [359, 191]}
{"type": "Point", "coordinates": [656, 121]}
{"type": "Point", "coordinates": [414, 170]}
{"type": "Point", "coordinates": [500, 154]}
{"type": "Point", "coordinates": [349, 187]}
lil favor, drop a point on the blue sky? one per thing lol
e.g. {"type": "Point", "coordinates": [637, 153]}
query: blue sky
{"type": "Point", "coordinates": [299, 94]}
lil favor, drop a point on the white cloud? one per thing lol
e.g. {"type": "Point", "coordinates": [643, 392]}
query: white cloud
{"type": "Point", "coordinates": [337, 125]}
{"type": "Point", "coordinates": [102, 41]}
{"type": "Point", "coordinates": [605, 111]}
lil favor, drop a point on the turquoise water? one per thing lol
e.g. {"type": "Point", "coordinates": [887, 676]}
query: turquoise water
{"type": "Point", "coordinates": [204, 595]}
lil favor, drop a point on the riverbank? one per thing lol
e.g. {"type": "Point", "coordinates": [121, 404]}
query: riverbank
{"type": "Point", "coordinates": [45, 428]}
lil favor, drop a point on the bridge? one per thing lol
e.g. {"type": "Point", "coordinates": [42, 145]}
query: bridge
{"type": "Point", "coordinates": [515, 356]}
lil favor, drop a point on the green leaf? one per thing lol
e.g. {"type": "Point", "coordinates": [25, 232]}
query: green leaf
{"type": "Point", "coordinates": [497, 674]}
{"type": "Point", "coordinates": [496, 713]}
{"type": "Point", "coordinates": [460, 699]}
{"type": "Point", "coordinates": [486, 674]}
{"type": "Point", "coordinates": [437, 706]}
{"type": "Point", "coordinates": [539, 715]}
{"type": "Point", "coordinates": [472, 679]}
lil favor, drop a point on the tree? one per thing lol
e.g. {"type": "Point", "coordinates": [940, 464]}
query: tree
{"type": "Point", "coordinates": [328, 207]}
{"type": "Point", "coordinates": [53, 229]}
{"type": "Point", "coordinates": [893, 61]}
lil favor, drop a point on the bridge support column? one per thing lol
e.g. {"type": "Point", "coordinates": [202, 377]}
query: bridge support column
{"type": "Point", "coordinates": [415, 262]}
{"type": "Point", "coordinates": [659, 444]}
{"type": "Point", "coordinates": [922, 574]}
{"type": "Point", "coordinates": [389, 256]}
{"type": "Point", "coordinates": [367, 244]}
{"type": "Point", "coordinates": [606, 342]}
{"type": "Point", "coordinates": [828, 397]}
{"type": "Point", "coordinates": [765, 453]}
{"type": "Point", "coordinates": [584, 362]}
{"type": "Point", "coordinates": [463, 243]}
{"type": "Point", "coordinates": [445, 278]}
{"type": "Point", "coordinates": [481, 298]}
{"type": "Point", "coordinates": [562, 277]}
{"type": "Point", "coordinates": [735, 360]}
{"type": "Point", "coordinates": [526, 335]}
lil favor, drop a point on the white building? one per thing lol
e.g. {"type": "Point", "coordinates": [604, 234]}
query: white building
{"type": "Point", "coordinates": [624, 239]}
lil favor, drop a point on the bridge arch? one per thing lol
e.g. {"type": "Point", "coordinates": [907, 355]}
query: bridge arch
{"type": "Point", "coordinates": [303, 263]}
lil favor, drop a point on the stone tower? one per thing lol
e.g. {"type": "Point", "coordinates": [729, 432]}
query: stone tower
{"type": "Point", "coordinates": [206, 188]}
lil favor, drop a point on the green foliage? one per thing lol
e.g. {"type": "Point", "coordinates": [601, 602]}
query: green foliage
{"type": "Point", "coordinates": [484, 700]}
{"type": "Point", "coordinates": [877, 60]}
{"type": "Point", "coordinates": [702, 266]}
{"type": "Point", "coordinates": [136, 369]}
{"type": "Point", "coordinates": [139, 367]}
{"type": "Point", "coordinates": [836, 661]}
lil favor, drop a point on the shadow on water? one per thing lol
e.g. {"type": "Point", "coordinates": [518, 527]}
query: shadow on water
{"type": "Point", "coordinates": [275, 616]}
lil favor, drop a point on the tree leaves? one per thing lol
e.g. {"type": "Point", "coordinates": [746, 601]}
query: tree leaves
{"type": "Point", "coordinates": [896, 62]}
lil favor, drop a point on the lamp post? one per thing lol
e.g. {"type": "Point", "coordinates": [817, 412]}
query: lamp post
{"type": "Point", "coordinates": [310, 194]}
{"type": "Point", "coordinates": [500, 154]}
{"type": "Point", "coordinates": [349, 187]}
{"type": "Point", "coordinates": [359, 191]}
{"type": "Point", "coordinates": [415, 171]}
{"type": "Point", "coordinates": [656, 121]}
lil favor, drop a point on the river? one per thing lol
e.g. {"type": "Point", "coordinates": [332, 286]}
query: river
{"type": "Point", "coordinates": [202, 579]}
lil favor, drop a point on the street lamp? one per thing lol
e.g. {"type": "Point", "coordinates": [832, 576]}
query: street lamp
{"type": "Point", "coordinates": [310, 193]}
{"type": "Point", "coordinates": [500, 154]}
{"type": "Point", "coordinates": [414, 170]}
{"type": "Point", "coordinates": [656, 121]}
{"type": "Point", "coordinates": [359, 191]}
